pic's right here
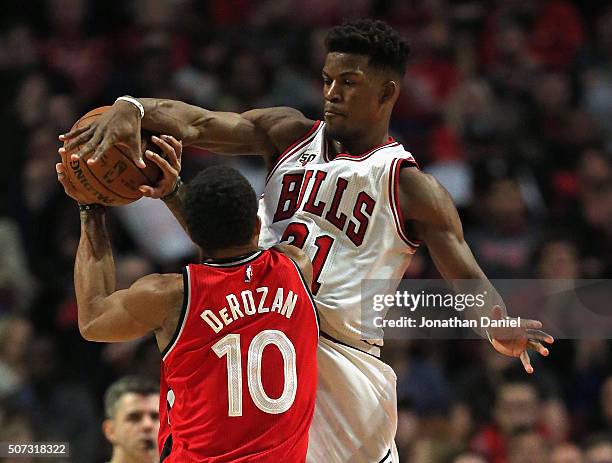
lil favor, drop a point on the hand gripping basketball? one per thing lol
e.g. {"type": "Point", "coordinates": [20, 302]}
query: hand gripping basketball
{"type": "Point", "coordinates": [170, 165]}
{"type": "Point", "coordinates": [68, 186]}
{"type": "Point", "coordinates": [112, 177]}
{"type": "Point", "coordinates": [119, 125]}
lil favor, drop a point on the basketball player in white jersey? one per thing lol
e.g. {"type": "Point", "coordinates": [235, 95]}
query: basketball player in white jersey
{"type": "Point", "coordinates": [351, 197]}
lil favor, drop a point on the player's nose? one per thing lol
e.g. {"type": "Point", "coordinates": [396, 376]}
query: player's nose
{"type": "Point", "coordinates": [331, 93]}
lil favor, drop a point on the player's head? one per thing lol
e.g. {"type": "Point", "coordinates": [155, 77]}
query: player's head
{"type": "Point", "coordinates": [131, 405]}
{"type": "Point", "coordinates": [220, 209]}
{"type": "Point", "coordinates": [366, 60]}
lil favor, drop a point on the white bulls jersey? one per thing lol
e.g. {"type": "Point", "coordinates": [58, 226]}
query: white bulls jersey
{"type": "Point", "coordinates": [344, 213]}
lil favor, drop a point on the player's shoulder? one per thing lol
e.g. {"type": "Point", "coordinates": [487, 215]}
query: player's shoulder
{"type": "Point", "coordinates": [421, 194]}
{"type": "Point", "coordinates": [166, 285]}
{"type": "Point", "coordinates": [299, 257]}
{"type": "Point", "coordinates": [283, 125]}
{"type": "Point", "coordinates": [411, 177]}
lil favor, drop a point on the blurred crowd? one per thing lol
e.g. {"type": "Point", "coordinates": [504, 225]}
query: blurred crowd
{"type": "Point", "coordinates": [507, 102]}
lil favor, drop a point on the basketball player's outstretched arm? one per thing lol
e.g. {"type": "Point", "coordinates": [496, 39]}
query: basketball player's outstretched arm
{"type": "Point", "coordinates": [430, 213]}
{"type": "Point", "coordinates": [267, 132]}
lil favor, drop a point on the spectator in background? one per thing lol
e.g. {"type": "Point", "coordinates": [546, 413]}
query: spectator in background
{"type": "Point", "coordinates": [504, 239]}
{"type": "Point", "coordinates": [566, 453]}
{"type": "Point", "coordinates": [15, 334]}
{"type": "Point", "coordinates": [15, 427]}
{"type": "Point", "coordinates": [599, 449]}
{"type": "Point", "coordinates": [469, 458]}
{"type": "Point", "coordinates": [131, 406]}
{"type": "Point", "coordinates": [517, 410]}
{"type": "Point", "coordinates": [528, 447]}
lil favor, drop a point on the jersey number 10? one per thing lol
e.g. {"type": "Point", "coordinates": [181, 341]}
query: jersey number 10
{"type": "Point", "coordinates": [230, 346]}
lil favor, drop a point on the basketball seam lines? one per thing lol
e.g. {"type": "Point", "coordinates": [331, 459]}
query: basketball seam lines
{"type": "Point", "coordinates": [133, 163]}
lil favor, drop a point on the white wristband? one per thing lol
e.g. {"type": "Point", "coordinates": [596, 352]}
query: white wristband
{"type": "Point", "coordinates": [135, 102]}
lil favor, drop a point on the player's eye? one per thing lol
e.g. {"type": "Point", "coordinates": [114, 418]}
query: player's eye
{"type": "Point", "coordinates": [326, 81]}
{"type": "Point", "coordinates": [348, 82]}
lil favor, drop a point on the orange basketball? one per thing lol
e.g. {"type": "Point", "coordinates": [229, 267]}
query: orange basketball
{"type": "Point", "coordinates": [115, 178]}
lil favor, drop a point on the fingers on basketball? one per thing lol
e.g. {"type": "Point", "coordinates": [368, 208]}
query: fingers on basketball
{"type": "Point", "coordinates": [161, 162]}
{"type": "Point", "coordinates": [170, 148]}
{"type": "Point", "coordinates": [178, 149]}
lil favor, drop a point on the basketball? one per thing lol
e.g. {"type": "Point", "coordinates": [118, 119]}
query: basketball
{"type": "Point", "coordinates": [115, 178]}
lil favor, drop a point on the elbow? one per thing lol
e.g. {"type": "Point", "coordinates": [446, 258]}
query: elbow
{"type": "Point", "coordinates": [85, 331]}
{"type": "Point", "coordinates": [88, 331]}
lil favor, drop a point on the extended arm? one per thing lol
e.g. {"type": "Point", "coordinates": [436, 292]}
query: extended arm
{"type": "Point", "coordinates": [430, 213]}
{"type": "Point", "coordinates": [265, 132]}
{"type": "Point", "coordinates": [108, 315]}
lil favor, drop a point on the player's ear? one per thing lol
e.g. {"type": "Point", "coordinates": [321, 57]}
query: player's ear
{"type": "Point", "coordinates": [389, 91]}
{"type": "Point", "coordinates": [108, 428]}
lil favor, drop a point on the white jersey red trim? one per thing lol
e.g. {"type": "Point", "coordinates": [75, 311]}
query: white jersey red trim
{"type": "Point", "coordinates": [344, 213]}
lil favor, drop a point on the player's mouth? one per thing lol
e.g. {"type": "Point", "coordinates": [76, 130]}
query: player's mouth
{"type": "Point", "coordinates": [331, 112]}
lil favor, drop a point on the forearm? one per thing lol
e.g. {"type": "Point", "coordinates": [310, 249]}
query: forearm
{"type": "Point", "coordinates": [486, 297]}
{"type": "Point", "coordinates": [175, 204]}
{"type": "Point", "coordinates": [219, 132]}
{"type": "Point", "coordinates": [172, 118]}
{"type": "Point", "coordinates": [94, 269]}
{"type": "Point", "coordinates": [457, 265]}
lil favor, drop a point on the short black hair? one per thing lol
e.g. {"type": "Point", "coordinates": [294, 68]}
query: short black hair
{"type": "Point", "coordinates": [220, 208]}
{"type": "Point", "coordinates": [128, 384]}
{"type": "Point", "coordinates": [385, 48]}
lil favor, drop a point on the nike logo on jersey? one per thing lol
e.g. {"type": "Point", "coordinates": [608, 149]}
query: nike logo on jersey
{"type": "Point", "coordinates": [292, 199]}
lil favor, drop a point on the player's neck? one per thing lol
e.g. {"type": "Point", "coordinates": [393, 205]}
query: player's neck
{"type": "Point", "coordinates": [357, 146]}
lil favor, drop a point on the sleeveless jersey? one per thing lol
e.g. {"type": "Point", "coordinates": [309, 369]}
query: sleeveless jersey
{"type": "Point", "coordinates": [240, 376]}
{"type": "Point", "coordinates": [344, 213]}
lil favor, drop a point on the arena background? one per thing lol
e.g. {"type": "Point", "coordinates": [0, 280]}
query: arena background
{"type": "Point", "coordinates": [507, 102]}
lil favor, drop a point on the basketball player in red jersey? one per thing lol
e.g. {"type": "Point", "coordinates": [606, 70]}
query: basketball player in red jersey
{"type": "Point", "coordinates": [353, 199]}
{"type": "Point", "coordinates": [238, 332]}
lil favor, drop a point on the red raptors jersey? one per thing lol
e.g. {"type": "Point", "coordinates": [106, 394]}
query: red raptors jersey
{"type": "Point", "coordinates": [240, 374]}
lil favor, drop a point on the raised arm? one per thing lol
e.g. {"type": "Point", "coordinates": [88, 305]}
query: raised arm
{"type": "Point", "coordinates": [106, 314]}
{"type": "Point", "coordinates": [152, 303]}
{"type": "Point", "coordinates": [432, 218]}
